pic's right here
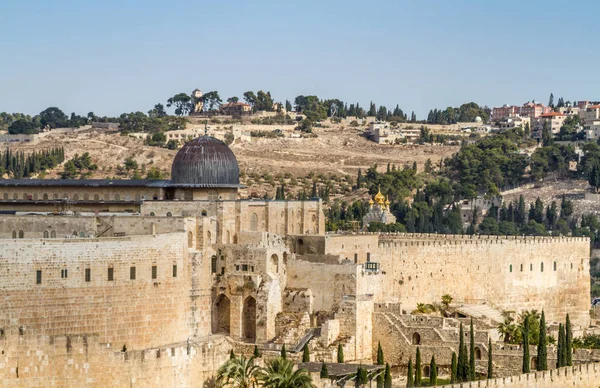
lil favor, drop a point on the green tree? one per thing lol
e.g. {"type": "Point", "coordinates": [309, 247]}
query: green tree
{"type": "Point", "coordinates": [542, 351]}
{"type": "Point", "coordinates": [380, 360]}
{"type": "Point", "coordinates": [453, 369]}
{"type": "Point", "coordinates": [54, 118]}
{"type": "Point", "coordinates": [410, 382]}
{"type": "Point", "coordinates": [256, 353]}
{"type": "Point", "coordinates": [471, 352]}
{"type": "Point", "coordinates": [182, 102]}
{"type": "Point", "coordinates": [568, 343]}
{"type": "Point", "coordinates": [387, 377]}
{"type": "Point", "coordinates": [231, 355]}
{"type": "Point", "coordinates": [525, 335]}
{"type": "Point", "coordinates": [361, 376]}
{"type": "Point", "coordinates": [432, 372]}
{"type": "Point", "coordinates": [462, 370]}
{"type": "Point", "coordinates": [490, 366]}
{"type": "Point", "coordinates": [340, 353]}
{"type": "Point", "coordinates": [157, 112]}
{"type": "Point", "coordinates": [305, 353]}
{"type": "Point", "coordinates": [551, 100]}
{"type": "Point", "coordinates": [283, 352]}
{"type": "Point", "coordinates": [23, 126]}
{"type": "Point", "coordinates": [280, 373]}
{"type": "Point", "coordinates": [418, 368]}
{"type": "Point", "coordinates": [288, 106]}
{"type": "Point", "coordinates": [560, 357]}
{"type": "Point", "coordinates": [238, 373]}
{"type": "Point", "coordinates": [69, 170]}
{"type": "Point", "coordinates": [324, 371]}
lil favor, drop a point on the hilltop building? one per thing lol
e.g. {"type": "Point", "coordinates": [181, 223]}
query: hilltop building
{"type": "Point", "coordinates": [379, 211]}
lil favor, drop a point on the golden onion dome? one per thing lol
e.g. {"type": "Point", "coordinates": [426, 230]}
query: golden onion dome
{"type": "Point", "coordinates": [379, 198]}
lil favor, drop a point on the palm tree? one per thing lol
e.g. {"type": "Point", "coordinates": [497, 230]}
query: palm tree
{"type": "Point", "coordinates": [446, 300]}
{"type": "Point", "coordinates": [507, 328]}
{"type": "Point", "coordinates": [280, 373]}
{"type": "Point", "coordinates": [238, 373]}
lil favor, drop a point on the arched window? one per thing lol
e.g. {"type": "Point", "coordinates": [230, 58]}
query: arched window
{"type": "Point", "coordinates": [96, 197]}
{"type": "Point", "coordinates": [81, 234]}
{"type": "Point", "coordinates": [45, 197]}
{"type": "Point", "coordinates": [14, 234]}
{"type": "Point", "coordinates": [554, 265]}
{"type": "Point", "coordinates": [65, 196]}
{"type": "Point", "coordinates": [53, 234]}
{"type": "Point", "coordinates": [228, 237]}
{"type": "Point", "coordinates": [86, 197]}
{"type": "Point", "coordinates": [169, 214]}
{"type": "Point", "coordinates": [54, 196]}
{"type": "Point", "coordinates": [76, 197]}
{"type": "Point", "coordinates": [25, 196]}
{"type": "Point", "coordinates": [477, 354]}
{"type": "Point", "coordinates": [117, 197]}
{"type": "Point", "coordinates": [15, 196]}
{"type": "Point", "coordinates": [254, 222]}
{"type": "Point", "coordinates": [21, 234]}
{"type": "Point", "coordinates": [213, 264]}
{"type": "Point", "coordinates": [35, 196]}
{"type": "Point", "coordinates": [46, 234]}
{"type": "Point", "coordinates": [75, 233]}
{"type": "Point", "coordinates": [416, 339]}
{"type": "Point", "coordinates": [152, 214]}
{"type": "Point", "coordinates": [107, 197]}
{"type": "Point", "coordinates": [5, 195]}
{"type": "Point", "coordinates": [203, 213]}
{"type": "Point", "coordinates": [190, 239]}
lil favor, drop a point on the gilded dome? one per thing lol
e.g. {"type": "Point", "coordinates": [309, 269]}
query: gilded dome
{"type": "Point", "coordinates": [205, 162]}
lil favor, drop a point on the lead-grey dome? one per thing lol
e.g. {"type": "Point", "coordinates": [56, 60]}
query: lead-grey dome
{"type": "Point", "coordinates": [205, 161]}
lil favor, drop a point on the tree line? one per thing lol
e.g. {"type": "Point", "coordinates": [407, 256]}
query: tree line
{"type": "Point", "coordinates": [20, 165]}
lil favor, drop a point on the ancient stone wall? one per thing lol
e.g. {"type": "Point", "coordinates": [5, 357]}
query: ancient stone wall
{"type": "Point", "coordinates": [46, 226]}
{"type": "Point", "coordinates": [132, 291]}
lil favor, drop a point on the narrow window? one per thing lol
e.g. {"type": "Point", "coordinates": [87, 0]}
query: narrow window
{"type": "Point", "coordinates": [222, 270]}
{"type": "Point", "coordinates": [368, 256]}
{"type": "Point", "coordinates": [174, 270]}
{"type": "Point", "coordinates": [213, 264]}
{"type": "Point", "coordinates": [88, 274]}
{"type": "Point", "coordinates": [245, 267]}
{"type": "Point", "coordinates": [132, 273]}
{"type": "Point", "coordinates": [111, 274]}
{"type": "Point", "coordinates": [510, 268]}
{"type": "Point", "coordinates": [38, 276]}
{"type": "Point", "coordinates": [521, 267]}
{"type": "Point", "coordinates": [237, 267]}
{"type": "Point", "coordinates": [531, 267]}
{"type": "Point", "coordinates": [154, 271]}
{"type": "Point", "coordinates": [63, 273]}
{"type": "Point", "coordinates": [356, 258]}
{"type": "Point", "coordinates": [554, 265]}
{"type": "Point", "coordinates": [541, 267]}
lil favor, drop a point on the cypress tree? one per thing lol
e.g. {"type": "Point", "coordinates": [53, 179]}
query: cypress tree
{"type": "Point", "coordinates": [256, 353]}
{"type": "Point", "coordinates": [462, 370]}
{"type": "Point", "coordinates": [542, 350]}
{"type": "Point", "coordinates": [432, 372]}
{"type": "Point", "coordinates": [418, 368]}
{"type": "Point", "coordinates": [313, 194]}
{"type": "Point", "coordinates": [561, 346]}
{"type": "Point", "coordinates": [340, 354]}
{"type": "Point", "coordinates": [324, 372]}
{"type": "Point", "coordinates": [471, 352]}
{"type": "Point", "coordinates": [283, 352]}
{"type": "Point", "coordinates": [379, 354]}
{"type": "Point", "coordinates": [361, 376]}
{"type": "Point", "coordinates": [525, 334]}
{"type": "Point", "coordinates": [568, 343]}
{"type": "Point", "coordinates": [387, 377]}
{"type": "Point", "coordinates": [453, 369]}
{"type": "Point", "coordinates": [409, 375]}
{"type": "Point", "coordinates": [490, 371]}
{"type": "Point", "coordinates": [231, 355]}
{"type": "Point", "coordinates": [305, 353]}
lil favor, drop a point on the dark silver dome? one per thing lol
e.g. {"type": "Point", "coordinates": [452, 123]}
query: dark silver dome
{"type": "Point", "coordinates": [207, 162]}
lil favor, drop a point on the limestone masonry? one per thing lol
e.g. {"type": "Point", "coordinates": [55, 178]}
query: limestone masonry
{"type": "Point", "coordinates": [152, 283]}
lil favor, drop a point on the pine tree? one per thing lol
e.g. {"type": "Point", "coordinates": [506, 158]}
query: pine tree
{"type": "Point", "coordinates": [231, 355]}
{"type": "Point", "coordinates": [409, 375]}
{"type": "Point", "coordinates": [387, 377]}
{"type": "Point", "coordinates": [560, 346]}
{"type": "Point", "coordinates": [471, 353]}
{"type": "Point", "coordinates": [313, 193]}
{"type": "Point", "coordinates": [542, 350]}
{"type": "Point", "coordinates": [305, 353]}
{"type": "Point", "coordinates": [525, 334]}
{"type": "Point", "coordinates": [453, 369]}
{"type": "Point", "coordinates": [490, 371]}
{"type": "Point", "coordinates": [324, 372]}
{"type": "Point", "coordinates": [432, 372]}
{"type": "Point", "coordinates": [256, 353]}
{"type": "Point", "coordinates": [380, 360]}
{"type": "Point", "coordinates": [340, 353]}
{"type": "Point", "coordinates": [551, 100]}
{"type": "Point", "coordinates": [418, 368]}
{"type": "Point", "coordinates": [283, 352]}
{"type": "Point", "coordinates": [568, 343]}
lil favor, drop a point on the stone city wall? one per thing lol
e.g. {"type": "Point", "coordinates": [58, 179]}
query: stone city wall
{"type": "Point", "coordinates": [57, 286]}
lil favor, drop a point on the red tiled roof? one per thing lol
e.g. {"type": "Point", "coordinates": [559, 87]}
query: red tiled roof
{"type": "Point", "coordinates": [552, 114]}
{"type": "Point", "coordinates": [593, 106]}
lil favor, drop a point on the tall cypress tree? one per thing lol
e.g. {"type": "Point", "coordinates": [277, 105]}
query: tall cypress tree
{"type": "Point", "coordinates": [525, 334]}
{"type": "Point", "coordinates": [305, 353]}
{"type": "Point", "coordinates": [283, 352]}
{"type": "Point", "coordinates": [490, 371]}
{"type": "Point", "coordinates": [340, 353]}
{"type": "Point", "coordinates": [380, 361]}
{"type": "Point", "coordinates": [568, 343]}
{"type": "Point", "coordinates": [432, 372]}
{"type": "Point", "coordinates": [561, 346]}
{"type": "Point", "coordinates": [418, 368]}
{"type": "Point", "coordinates": [471, 352]}
{"type": "Point", "coordinates": [542, 350]}
{"type": "Point", "coordinates": [231, 355]}
{"type": "Point", "coordinates": [462, 370]}
{"type": "Point", "coordinates": [409, 375]}
{"type": "Point", "coordinates": [324, 371]}
{"type": "Point", "coordinates": [387, 377]}
{"type": "Point", "coordinates": [453, 369]}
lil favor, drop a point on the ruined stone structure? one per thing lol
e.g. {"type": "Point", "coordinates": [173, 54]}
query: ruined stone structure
{"type": "Point", "coordinates": [151, 283]}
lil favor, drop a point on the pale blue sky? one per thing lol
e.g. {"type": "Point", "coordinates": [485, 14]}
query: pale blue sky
{"type": "Point", "coordinates": [121, 56]}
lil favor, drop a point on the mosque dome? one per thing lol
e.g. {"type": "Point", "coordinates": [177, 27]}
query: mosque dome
{"type": "Point", "coordinates": [205, 162]}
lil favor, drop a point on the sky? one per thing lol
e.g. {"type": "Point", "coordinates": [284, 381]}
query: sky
{"type": "Point", "coordinates": [111, 56]}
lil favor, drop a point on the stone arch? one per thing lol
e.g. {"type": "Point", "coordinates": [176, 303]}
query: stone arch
{"type": "Point", "coordinates": [65, 196]}
{"type": "Point", "coordinates": [477, 354]}
{"type": "Point", "coordinates": [35, 196]}
{"type": "Point", "coordinates": [138, 197]}
{"type": "Point", "coordinates": [86, 197]}
{"type": "Point", "coordinates": [21, 234]}
{"type": "Point", "coordinates": [5, 195]}
{"type": "Point", "coordinates": [169, 214]}
{"type": "Point", "coordinates": [274, 264]}
{"type": "Point", "coordinates": [300, 246]}
{"type": "Point", "coordinates": [416, 339]}
{"type": "Point", "coordinates": [75, 233]}
{"type": "Point", "coordinates": [152, 214]}
{"type": "Point", "coordinates": [534, 363]}
{"type": "Point", "coordinates": [53, 234]}
{"type": "Point", "coordinates": [14, 234]}
{"type": "Point", "coordinates": [45, 196]}
{"type": "Point", "coordinates": [249, 320]}
{"type": "Point", "coordinates": [106, 197]}
{"type": "Point", "coordinates": [203, 213]}
{"type": "Point", "coordinates": [190, 239]}
{"type": "Point", "coordinates": [15, 196]}
{"type": "Point", "coordinates": [54, 196]}
{"type": "Point", "coordinates": [254, 222]}
{"type": "Point", "coordinates": [426, 371]}
{"type": "Point", "coordinates": [221, 315]}
{"type": "Point", "coordinates": [96, 197]}
{"type": "Point", "coordinates": [76, 197]}
{"type": "Point", "coordinates": [24, 195]}
{"type": "Point", "coordinates": [46, 234]}
{"type": "Point", "coordinates": [117, 197]}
